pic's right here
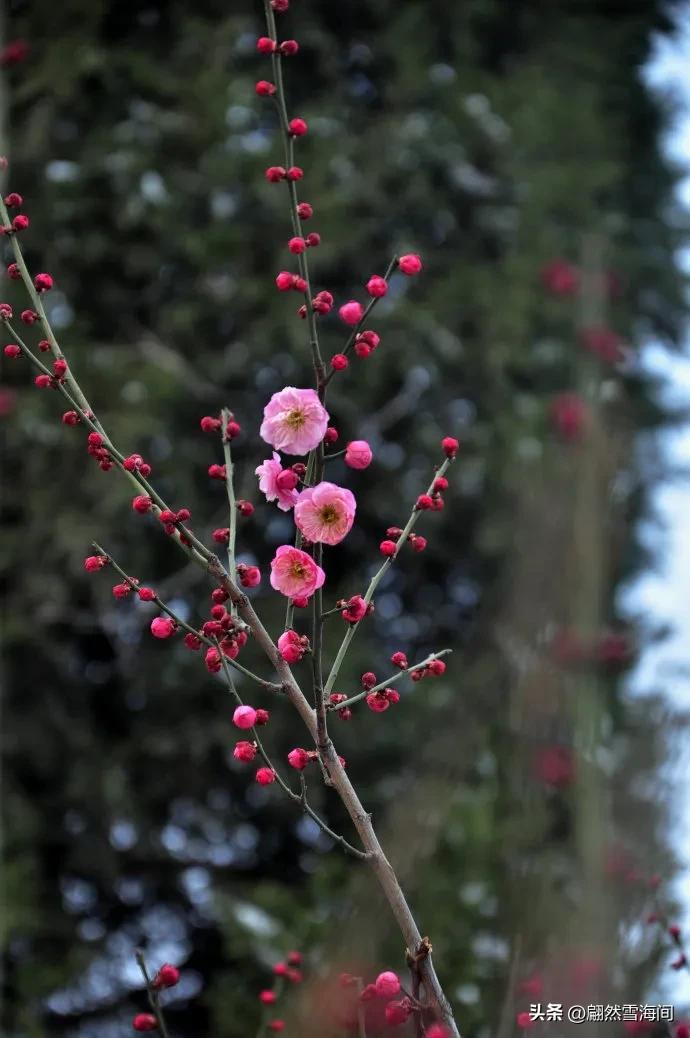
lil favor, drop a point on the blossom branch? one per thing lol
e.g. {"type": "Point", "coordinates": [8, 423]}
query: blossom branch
{"type": "Point", "coordinates": [226, 418]}
{"type": "Point", "coordinates": [361, 819]}
{"type": "Point", "coordinates": [181, 533]}
{"type": "Point", "coordinates": [376, 579]}
{"type": "Point", "coordinates": [362, 321]}
{"type": "Point", "coordinates": [38, 304]}
{"type": "Point", "coordinates": [270, 686]}
{"type": "Point", "coordinates": [289, 151]}
{"type": "Point", "coordinates": [154, 1000]}
{"type": "Point", "coordinates": [384, 684]}
{"type": "Point", "coordinates": [301, 797]}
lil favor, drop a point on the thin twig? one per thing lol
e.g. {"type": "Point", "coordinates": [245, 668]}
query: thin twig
{"type": "Point", "coordinates": [226, 417]}
{"type": "Point", "coordinates": [375, 580]}
{"type": "Point", "coordinates": [153, 995]}
{"type": "Point", "coordinates": [386, 684]}
{"type": "Point", "coordinates": [271, 686]}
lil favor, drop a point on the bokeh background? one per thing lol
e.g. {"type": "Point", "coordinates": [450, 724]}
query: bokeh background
{"type": "Point", "coordinates": [524, 798]}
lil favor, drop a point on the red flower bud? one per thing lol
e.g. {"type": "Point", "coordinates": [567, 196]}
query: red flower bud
{"type": "Point", "coordinates": [144, 1022]}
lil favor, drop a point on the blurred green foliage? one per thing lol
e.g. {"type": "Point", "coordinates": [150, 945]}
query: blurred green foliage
{"type": "Point", "coordinates": [493, 138]}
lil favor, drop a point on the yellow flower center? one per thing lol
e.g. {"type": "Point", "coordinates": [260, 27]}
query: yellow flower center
{"type": "Point", "coordinates": [297, 570]}
{"type": "Point", "coordinates": [329, 514]}
{"type": "Point", "coordinates": [295, 418]}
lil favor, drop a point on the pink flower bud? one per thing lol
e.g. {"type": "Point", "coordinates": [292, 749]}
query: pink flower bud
{"type": "Point", "coordinates": [368, 679]}
{"type": "Point", "coordinates": [355, 609]}
{"type": "Point", "coordinates": [397, 1012]}
{"type": "Point", "coordinates": [305, 211]}
{"type": "Point", "coordinates": [377, 286]}
{"type": "Point", "coordinates": [450, 446]}
{"type": "Point", "coordinates": [387, 548]}
{"type": "Point", "coordinates": [298, 758]}
{"type": "Point", "coordinates": [244, 751]}
{"type": "Point", "coordinates": [287, 479]}
{"type": "Point", "coordinates": [378, 702]}
{"type": "Point", "coordinates": [244, 717]}
{"type": "Point", "coordinates": [297, 246]}
{"type": "Point", "coordinates": [265, 89]}
{"type": "Point", "coordinates": [209, 424]}
{"type": "Point", "coordinates": [144, 1022]}
{"type": "Point", "coordinates": [268, 997]}
{"type": "Point", "coordinates": [352, 312]}
{"type": "Point", "coordinates": [387, 984]}
{"type": "Point", "coordinates": [43, 282]}
{"type": "Point", "coordinates": [13, 200]}
{"type": "Point", "coordinates": [399, 659]}
{"type": "Point", "coordinates": [358, 454]}
{"type": "Point", "coordinates": [12, 350]}
{"type": "Point", "coordinates": [410, 264]}
{"type": "Point", "coordinates": [294, 173]}
{"type": "Point", "coordinates": [424, 502]}
{"type": "Point", "coordinates": [162, 627]}
{"type": "Point", "coordinates": [250, 576]}
{"type": "Point", "coordinates": [274, 174]}
{"type": "Point", "coordinates": [339, 362]}
{"type": "Point", "coordinates": [142, 504]}
{"type": "Point", "coordinates": [166, 977]}
{"type": "Point", "coordinates": [289, 48]}
{"type": "Point", "coordinates": [297, 127]}
{"type": "Point", "coordinates": [20, 222]}
{"type": "Point", "coordinates": [265, 45]}
{"type": "Point", "coordinates": [94, 563]}
{"type": "Point", "coordinates": [146, 594]}
{"type": "Point", "coordinates": [265, 776]}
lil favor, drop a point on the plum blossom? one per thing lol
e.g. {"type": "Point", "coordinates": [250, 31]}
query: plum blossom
{"type": "Point", "coordinates": [295, 420]}
{"type": "Point", "coordinates": [294, 573]}
{"type": "Point", "coordinates": [325, 513]}
{"type": "Point", "coordinates": [270, 484]}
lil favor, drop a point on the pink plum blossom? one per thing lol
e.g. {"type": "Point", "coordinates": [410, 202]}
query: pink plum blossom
{"type": "Point", "coordinates": [295, 420]}
{"type": "Point", "coordinates": [294, 573]}
{"type": "Point", "coordinates": [270, 484]}
{"type": "Point", "coordinates": [325, 513]}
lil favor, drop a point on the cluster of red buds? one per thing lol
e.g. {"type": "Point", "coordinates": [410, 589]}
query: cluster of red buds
{"type": "Point", "coordinates": [398, 1005]}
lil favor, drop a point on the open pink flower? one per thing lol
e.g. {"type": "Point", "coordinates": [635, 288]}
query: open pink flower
{"type": "Point", "coordinates": [294, 573]}
{"type": "Point", "coordinates": [325, 513]}
{"type": "Point", "coordinates": [295, 420]}
{"type": "Point", "coordinates": [270, 485]}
